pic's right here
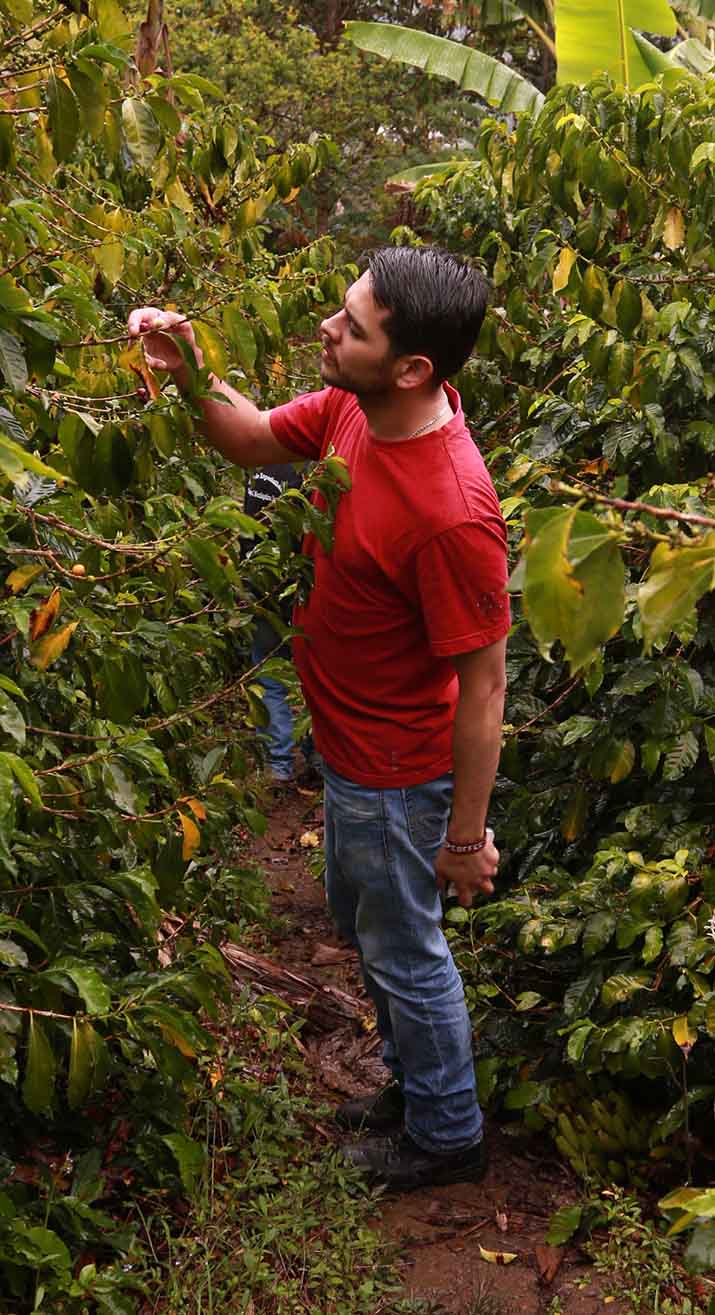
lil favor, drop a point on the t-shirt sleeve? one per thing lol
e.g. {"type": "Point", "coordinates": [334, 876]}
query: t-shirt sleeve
{"type": "Point", "coordinates": [301, 425]}
{"type": "Point", "coordinates": [462, 578]}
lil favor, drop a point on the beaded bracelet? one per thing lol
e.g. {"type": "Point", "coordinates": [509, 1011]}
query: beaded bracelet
{"type": "Point", "coordinates": [471, 847]}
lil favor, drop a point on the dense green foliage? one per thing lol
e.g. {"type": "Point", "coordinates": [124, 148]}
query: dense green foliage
{"type": "Point", "coordinates": [596, 370]}
{"type": "Point", "coordinates": [130, 580]}
{"type": "Point", "coordinates": [287, 68]}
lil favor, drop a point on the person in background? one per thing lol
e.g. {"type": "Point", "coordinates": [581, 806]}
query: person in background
{"type": "Point", "coordinates": [401, 654]}
{"type": "Point", "coordinates": [262, 486]}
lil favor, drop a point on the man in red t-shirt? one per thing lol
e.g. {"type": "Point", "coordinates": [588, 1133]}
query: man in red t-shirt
{"type": "Point", "coordinates": [401, 655]}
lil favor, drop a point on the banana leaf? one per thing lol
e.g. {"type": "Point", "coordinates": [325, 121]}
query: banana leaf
{"type": "Point", "coordinates": [691, 55]}
{"type": "Point", "coordinates": [470, 69]}
{"type": "Point", "coordinates": [597, 38]}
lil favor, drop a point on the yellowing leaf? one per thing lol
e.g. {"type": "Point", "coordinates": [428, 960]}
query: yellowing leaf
{"type": "Point", "coordinates": [622, 765]}
{"type": "Point", "coordinates": [497, 1257]}
{"type": "Point", "coordinates": [19, 579]}
{"type": "Point", "coordinates": [50, 648]}
{"type": "Point", "coordinates": [43, 616]}
{"type": "Point", "coordinates": [674, 229]}
{"type": "Point", "coordinates": [683, 1033]}
{"type": "Point", "coordinates": [192, 836]}
{"type": "Point", "coordinates": [176, 1038]}
{"type": "Point", "coordinates": [566, 262]}
{"type": "Point", "coordinates": [574, 817]}
{"type": "Point", "coordinates": [196, 807]}
{"type": "Point", "coordinates": [109, 257]}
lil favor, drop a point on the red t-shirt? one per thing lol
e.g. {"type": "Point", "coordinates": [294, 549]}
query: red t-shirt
{"type": "Point", "coordinates": [417, 573]}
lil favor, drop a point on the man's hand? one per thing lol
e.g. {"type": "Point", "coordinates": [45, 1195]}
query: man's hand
{"type": "Point", "coordinates": [468, 873]}
{"type": "Point", "coordinates": [159, 350]}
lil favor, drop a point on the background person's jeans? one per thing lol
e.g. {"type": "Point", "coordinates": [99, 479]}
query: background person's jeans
{"type": "Point", "coordinates": [380, 848]}
{"type": "Point", "coordinates": [278, 735]}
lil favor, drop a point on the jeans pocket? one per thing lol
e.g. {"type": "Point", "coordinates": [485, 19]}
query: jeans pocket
{"type": "Point", "coordinates": [427, 807]}
{"type": "Point", "coordinates": [357, 803]}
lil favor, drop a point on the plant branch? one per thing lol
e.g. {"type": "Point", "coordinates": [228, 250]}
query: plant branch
{"type": "Point", "coordinates": [646, 508]}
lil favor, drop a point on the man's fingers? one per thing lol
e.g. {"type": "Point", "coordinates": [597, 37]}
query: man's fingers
{"type": "Point", "coordinates": [141, 320]}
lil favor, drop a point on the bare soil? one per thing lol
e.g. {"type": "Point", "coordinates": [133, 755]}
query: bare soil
{"type": "Point", "coordinates": [444, 1232]}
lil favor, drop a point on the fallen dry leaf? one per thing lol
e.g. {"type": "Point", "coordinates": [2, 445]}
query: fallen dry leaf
{"type": "Point", "coordinates": [548, 1260]}
{"type": "Point", "coordinates": [325, 954]}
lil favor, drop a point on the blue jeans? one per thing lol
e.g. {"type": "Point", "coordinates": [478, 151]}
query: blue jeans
{"type": "Point", "coordinates": [380, 848]}
{"type": "Point", "coordinates": [278, 735]}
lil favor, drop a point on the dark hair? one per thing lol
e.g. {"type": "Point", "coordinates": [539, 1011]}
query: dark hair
{"type": "Point", "coordinates": [436, 303]}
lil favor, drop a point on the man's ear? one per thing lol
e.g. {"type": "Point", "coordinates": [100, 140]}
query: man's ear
{"type": "Point", "coordinates": [413, 371]}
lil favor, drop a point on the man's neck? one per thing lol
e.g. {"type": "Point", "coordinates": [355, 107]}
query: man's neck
{"type": "Point", "coordinates": [394, 419]}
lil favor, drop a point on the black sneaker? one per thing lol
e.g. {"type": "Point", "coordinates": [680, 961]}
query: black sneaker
{"type": "Point", "coordinates": [400, 1163]}
{"type": "Point", "coordinates": [381, 1111]}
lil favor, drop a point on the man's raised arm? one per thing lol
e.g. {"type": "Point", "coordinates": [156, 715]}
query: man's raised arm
{"type": "Point", "coordinates": [240, 431]}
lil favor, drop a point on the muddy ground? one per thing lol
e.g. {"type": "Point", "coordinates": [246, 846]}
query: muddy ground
{"type": "Point", "coordinates": [442, 1231]}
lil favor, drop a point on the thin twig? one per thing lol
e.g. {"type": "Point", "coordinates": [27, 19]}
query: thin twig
{"type": "Point", "coordinates": [622, 504]}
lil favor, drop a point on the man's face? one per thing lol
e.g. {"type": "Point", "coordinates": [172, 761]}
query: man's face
{"type": "Point", "coordinates": [356, 354]}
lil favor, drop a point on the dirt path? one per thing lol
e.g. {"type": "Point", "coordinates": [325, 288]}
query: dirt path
{"type": "Point", "coordinates": [443, 1231]}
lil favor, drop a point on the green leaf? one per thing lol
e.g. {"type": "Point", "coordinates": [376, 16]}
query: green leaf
{"type": "Point", "coordinates": [563, 1223]}
{"type": "Point", "coordinates": [265, 308]}
{"type": "Point", "coordinates": [96, 996]}
{"type": "Point", "coordinates": [7, 143]}
{"type": "Point", "coordinates": [582, 994]}
{"type": "Point", "coordinates": [523, 1095]}
{"type": "Point", "coordinates": [652, 945]}
{"type": "Point", "coordinates": [677, 578]}
{"type": "Point", "coordinates": [622, 986]}
{"type": "Point", "coordinates": [574, 583]}
{"type": "Point", "coordinates": [180, 1029]}
{"type": "Point", "coordinates": [594, 292]}
{"type": "Point", "coordinates": [62, 118]}
{"type": "Point", "coordinates": [21, 928]}
{"type": "Point", "coordinates": [226, 513]}
{"type": "Point", "coordinates": [40, 1247]}
{"type": "Point", "coordinates": [190, 1157]}
{"type": "Point", "coordinates": [15, 461]}
{"type": "Point", "coordinates": [87, 1060]}
{"type": "Point", "coordinates": [87, 84]}
{"type": "Point", "coordinates": [629, 307]}
{"type": "Point", "coordinates": [39, 1080]}
{"type": "Point", "coordinates": [597, 932]}
{"type": "Point", "coordinates": [204, 557]}
{"type": "Point", "coordinates": [12, 954]}
{"type": "Point", "coordinates": [12, 362]}
{"type": "Point", "coordinates": [596, 38]}
{"type": "Point", "coordinates": [18, 11]}
{"type": "Point", "coordinates": [142, 133]}
{"type": "Point", "coordinates": [12, 722]}
{"type": "Point", "coordinates": [119, 786]}
{"type": "Point", "coordinates": [705, 153]}
{"type": "Point", "coordinates": [419, 172]}
{"type": "Point", "coordinates": [24, 776]}
{"type": "Point", "coordinates": [122, 687]}
{"type": "Point", "coordinates": [470, 69]}
{"type": "Point", "coordinates": [111, 21]}
{"type": "Point", "coordinates": [682, 757]}
{"type": "Point", "coordinates": [240, 335]}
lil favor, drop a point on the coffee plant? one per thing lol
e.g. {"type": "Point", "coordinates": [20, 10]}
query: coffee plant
{"type": "Point", "coordinates": [130, 582]}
